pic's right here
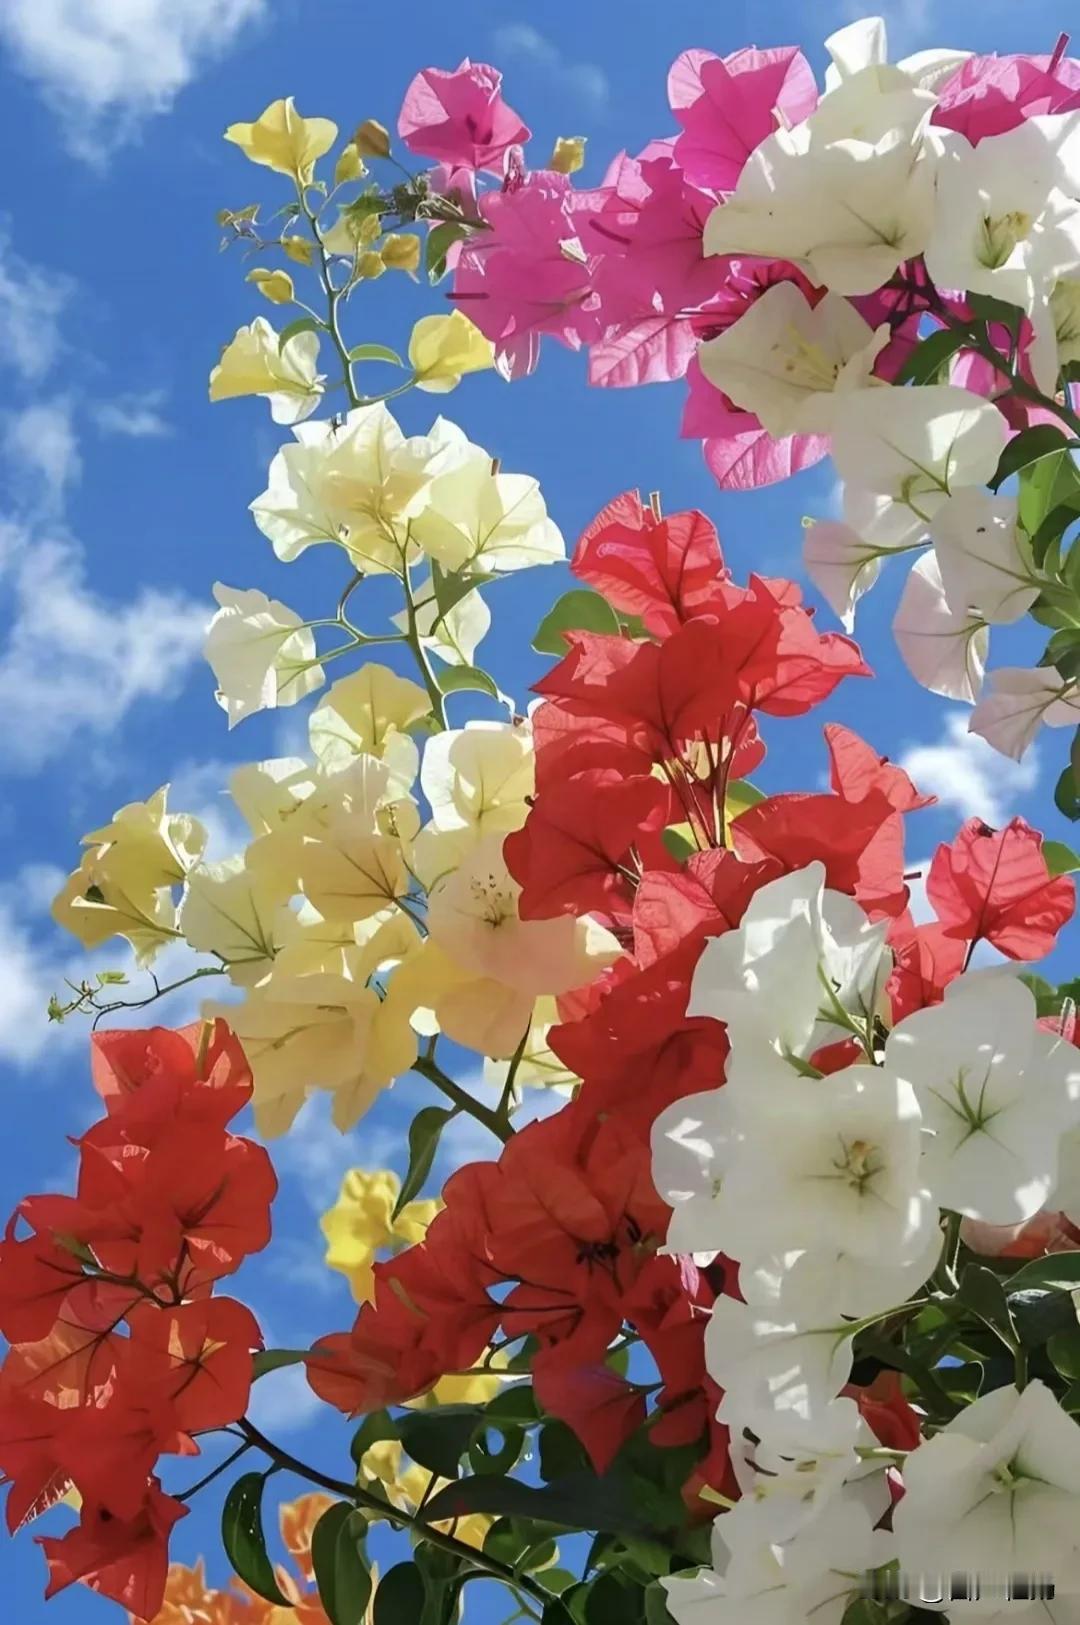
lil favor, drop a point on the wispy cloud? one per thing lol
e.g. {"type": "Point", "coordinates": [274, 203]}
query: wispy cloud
{"type": "Point", "coordinates": [32, 301]}
{"type": "Point", "coordinates": [967, 774]}
{"type": "Point", "coordinates": [586, 82]}
{"type": "Point", "coordinates": [135, 417]}
{"type": "Point", "coordinates": [105, 66]}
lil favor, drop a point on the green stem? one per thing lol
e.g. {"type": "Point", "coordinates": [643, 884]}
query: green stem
{"type": "Point", "coordinates": [428, 1068]}
{"type": "Point", "coordinates": [333, 299]}
{"type": "Point", "coordinates": [412, 638]}
{"type": "Point", "coordinates": [477, 1561]}
{"type": "Point", "coordinates": [158, 993]}
{"type": "Point", "coordinates": [981, 344]}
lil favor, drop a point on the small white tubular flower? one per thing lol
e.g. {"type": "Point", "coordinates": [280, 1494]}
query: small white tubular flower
{"type": "Point", "coordinates": [1003, 225]}
{"type": "Point", "coordinates": [835, 1158]}
{"type": "Point", "coordinates": [983, 556]}
{"type": "Point", "coordinates": [692, 1144]}
{"type": "Point", "coordinates": [848, 193]}
{"type": "Point", "coordinates": [996, 1092]}
{"type": "Point", "coordinates": [255, 362]}
{"type": "Point", "coordinates": [917, 445]}
{"type": "Point", "coordinates": [814, 1577]}
{"type": "Point", "coordinates": [944, 649]}
{"type": "Point", "coordinates": [262, 654]}
{"type": "Point", "coordinates": [780, 1375]}
{"type": "Point", "coordinates": [996, 1492]}
{"type": "Point", "coordinates": [804, 963]}
{"type": "Point", "coordinates": [1017, 704]}
{"type": "Point", "coordinates": [785, 358]}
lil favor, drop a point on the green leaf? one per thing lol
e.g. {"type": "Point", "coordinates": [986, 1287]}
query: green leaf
{"type": "Point", "coordinates": [561, 1452]}
{"type": "Point", "coordinates": [865, 1611]}
{"type": "Point", "coordinates": [612, 1602]}
{"type": "Point", "coordinates": [679, 845]}
{"type": "Point", "coordinates": [1060, 859]}
{"type": "Point", "coordinates": [440, 240]}
{"type": "Point", "coordinates": [1044, 440]}
{"type": "Point", "coordinates": [243, 1538]}
{"type": "Point", "coordinates": [1064, 1351]}
{"type": "Point", "coordinates": [982, 1292]}
{"type": "Point", "coordinates": [375, 352]}
{"type": "Point", "coordinates": [453, 679]}
{"type": "Point", "coordinates": [741, 796]}
{"type": "Point", "coordinates": [303, 324]}
{"type": "Point", "coordinates": [928, 358]}
{"type": "Point", "coordinates": [1060, 1272]}
{"type": "Point", "coordinates": [340, 1565]}
{"type": "Point", "coordinates": [656, 1608]}
{"type": "Point", "coordinates": [577, 611]}
{"type": "Point", "coordinates": [424, 1133]}
{"type": "Point", "coordinates": [514, 1404]}
{"type": "Point", "coordinates": [1049, 482]}
{"type": "Point", "coordinates": [438, 1438]}
{"type": "Point", "coordinates": [1067, 795]}
{"type": "Point", "coordinates": [451, 588]}
{"type": "Point", "coordinates": [484, 1459]}
{"type": "Point", "coordinates": [273, 1360]}
{"type": "Point", "coordinates": [582, 1501]}
{"type": "Point", "coordinates": [399, 1596]}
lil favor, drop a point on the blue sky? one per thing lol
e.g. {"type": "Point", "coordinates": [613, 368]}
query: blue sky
{"type": "Point", "coordinates": [123, 494]}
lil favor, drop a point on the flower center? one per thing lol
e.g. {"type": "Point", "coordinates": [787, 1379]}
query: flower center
{"type": "Point", "coordinates": [999, 234]}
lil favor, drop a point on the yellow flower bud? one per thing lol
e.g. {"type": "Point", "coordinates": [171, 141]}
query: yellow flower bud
{"type": "Point", "coordinates": [401, 251]}
{"type": "Point", "coordinates": [372, 139]}
{"type": "Point", "coordinates": [300, 249]}
{"type": "Point", "coordinates": [277, 286]}
{"type": "Point", "coordinates": [568, 154]}
{"type": "Point", "coordinates": [369, 266]}
{"type": "Point", "coordinates": [350, 166]}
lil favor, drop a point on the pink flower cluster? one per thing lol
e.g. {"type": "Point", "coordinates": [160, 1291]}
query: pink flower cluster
{"type": "Point", "coordinates": [619, 269]}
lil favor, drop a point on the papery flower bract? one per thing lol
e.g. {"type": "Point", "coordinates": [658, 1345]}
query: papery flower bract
{"type": "Point", "coordinates": [477, 515]}
{"type": "Point", "coordinates": [780, 1374]}
{"type": "Point", "coordinates": [786, 358]}
{"type": "Point", "coordinates": [282, 139]}
{"type": "Point", "coordinates": [362, 1221]}
{"type": "Point", "coordinates": [995, 1491]}
{"type": "Point", "coordinates": [916, 445]}
{"type": "Point", "coordinates": [983, 556]}
{"type": "Point", "coordinates": [460, 118]}
{"type": "Point", "coordinates": [1018, 702]}
{"type": "Point", "coordinates": [943, 647]}
{"type": "Point", "coordinates": [255, 362]}
{"type": "Point", "coordinates": [240, 914]}
{"type": "Point", "coordinates": [443, 348]}
{"type": "Point", "coordinates": [994, 885]}
{"type": "Point", "coordinates": [369, 713]}
{"type": "Point", "coordinates": [663, 570]}
{"type": "Point", "coordinates": [123, 1559]}
{"type": "Point", "coordinates": [996, 1094]}
{"type": "Point", "coordinates": [479, 778]}
{"type": "Point", "coordinates": [262, 654]}
{"type": "Point", "coordinates": [728, 105]}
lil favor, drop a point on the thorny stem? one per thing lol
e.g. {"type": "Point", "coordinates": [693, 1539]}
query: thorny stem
{"type": "Point", "coordinates": [478, 1561]}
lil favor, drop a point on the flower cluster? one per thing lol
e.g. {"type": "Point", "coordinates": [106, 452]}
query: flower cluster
{"type": "Point", "coordinates": [168, 1203]}
{"type": "Point", "coordinates": [800, 256]}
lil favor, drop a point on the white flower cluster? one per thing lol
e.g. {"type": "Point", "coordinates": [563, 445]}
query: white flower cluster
{"type": "Point", "coordinates": [827, 1188]}
{"type": "Point", "coordinates": [864, 184]}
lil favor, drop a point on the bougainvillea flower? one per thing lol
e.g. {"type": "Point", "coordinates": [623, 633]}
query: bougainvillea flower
{"type": "Point", "coordinates": [460, 117]}
{"type": "Point", "coordinates": [193, 1360]}
{"type": "Point", "coordinates": [728, 105]}
{"type": "Point", "coordinates": [663, 570]}
{"type": "Point", "coordinates": [994, 886]}
{"type": "Point", "coordinates": [124, 1559]}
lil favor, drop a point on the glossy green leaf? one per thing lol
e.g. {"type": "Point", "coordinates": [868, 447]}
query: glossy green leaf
{"type": "Point", "coordinates": [438, 1438]}
{"type": "Point", "coordinates": [577, 611]}
{"type": "Point", "coordinates": [1044, 440]}
{"type": "Point", "coordinates": [303, 324]}
{"type": "Point", "coordinates": [440, 240]}
{"type": "Point", "coordinates": [982, 1293]}
{"type": "Point", "coordinates": [1060, 859]}
{"type": "Point", "coordinates": [340, 1564]}
{"type": "Point", "coordinates": [244, 1540]}
{"type": "Point", "coordinates": [1063, 1349]}
{"type": "Point", "coordinates": [932, 354]}
{"type": "Point", "coordinates": [1060, 1272]}
{"type": "Point", "coordinates": [582, 1501]}
{"type": "Point", "coordinates": [1067, 795]}
{"type": "Point", "coordinates": [399, 1596]}
{"type": "Point", "coordinates": [486, 1456]}
{"type": "Point", "coordinates": [425, 1131]}
{"type": "Point", "coordinates": [679, 845]}
{"type": "Point", "coordinates": [455, 679]}
{"type": "Point", "coordinates": [274, 1359]}
{"type": "Point", "coordinates": [375, 352]}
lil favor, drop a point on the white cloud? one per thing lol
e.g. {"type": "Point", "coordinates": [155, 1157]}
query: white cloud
{"type": "Point", "coordinates": [583, 80]}
{"type": "Point", "coordinates": [31, 303]}
{"type": "Point", "coordinates": [74, 663]}
{"type": "Point", "coordinates": [135, 417]}
{"type": "Point", "coordinates": [282, 1401]}
{"type": "Point", "coordinates": [319, 1155]}
{"type": "Point", "coordinates": [106, 65]}
{"type": "Point", "coordinates": [42, 449]}
{"type": "Point", "coordinates": [967, 774]}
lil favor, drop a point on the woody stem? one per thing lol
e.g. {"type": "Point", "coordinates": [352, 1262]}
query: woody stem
{"type": "Point", "coordinates": [362, 1498]}
{"type": "Point", "coordinates": [461, 1098]}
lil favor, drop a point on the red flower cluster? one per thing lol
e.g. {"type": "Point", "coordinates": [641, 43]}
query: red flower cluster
{"type": "Point", "coordinates": [168, 1202]}
{"type": "Point", "coordinates": [559, 1240]}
